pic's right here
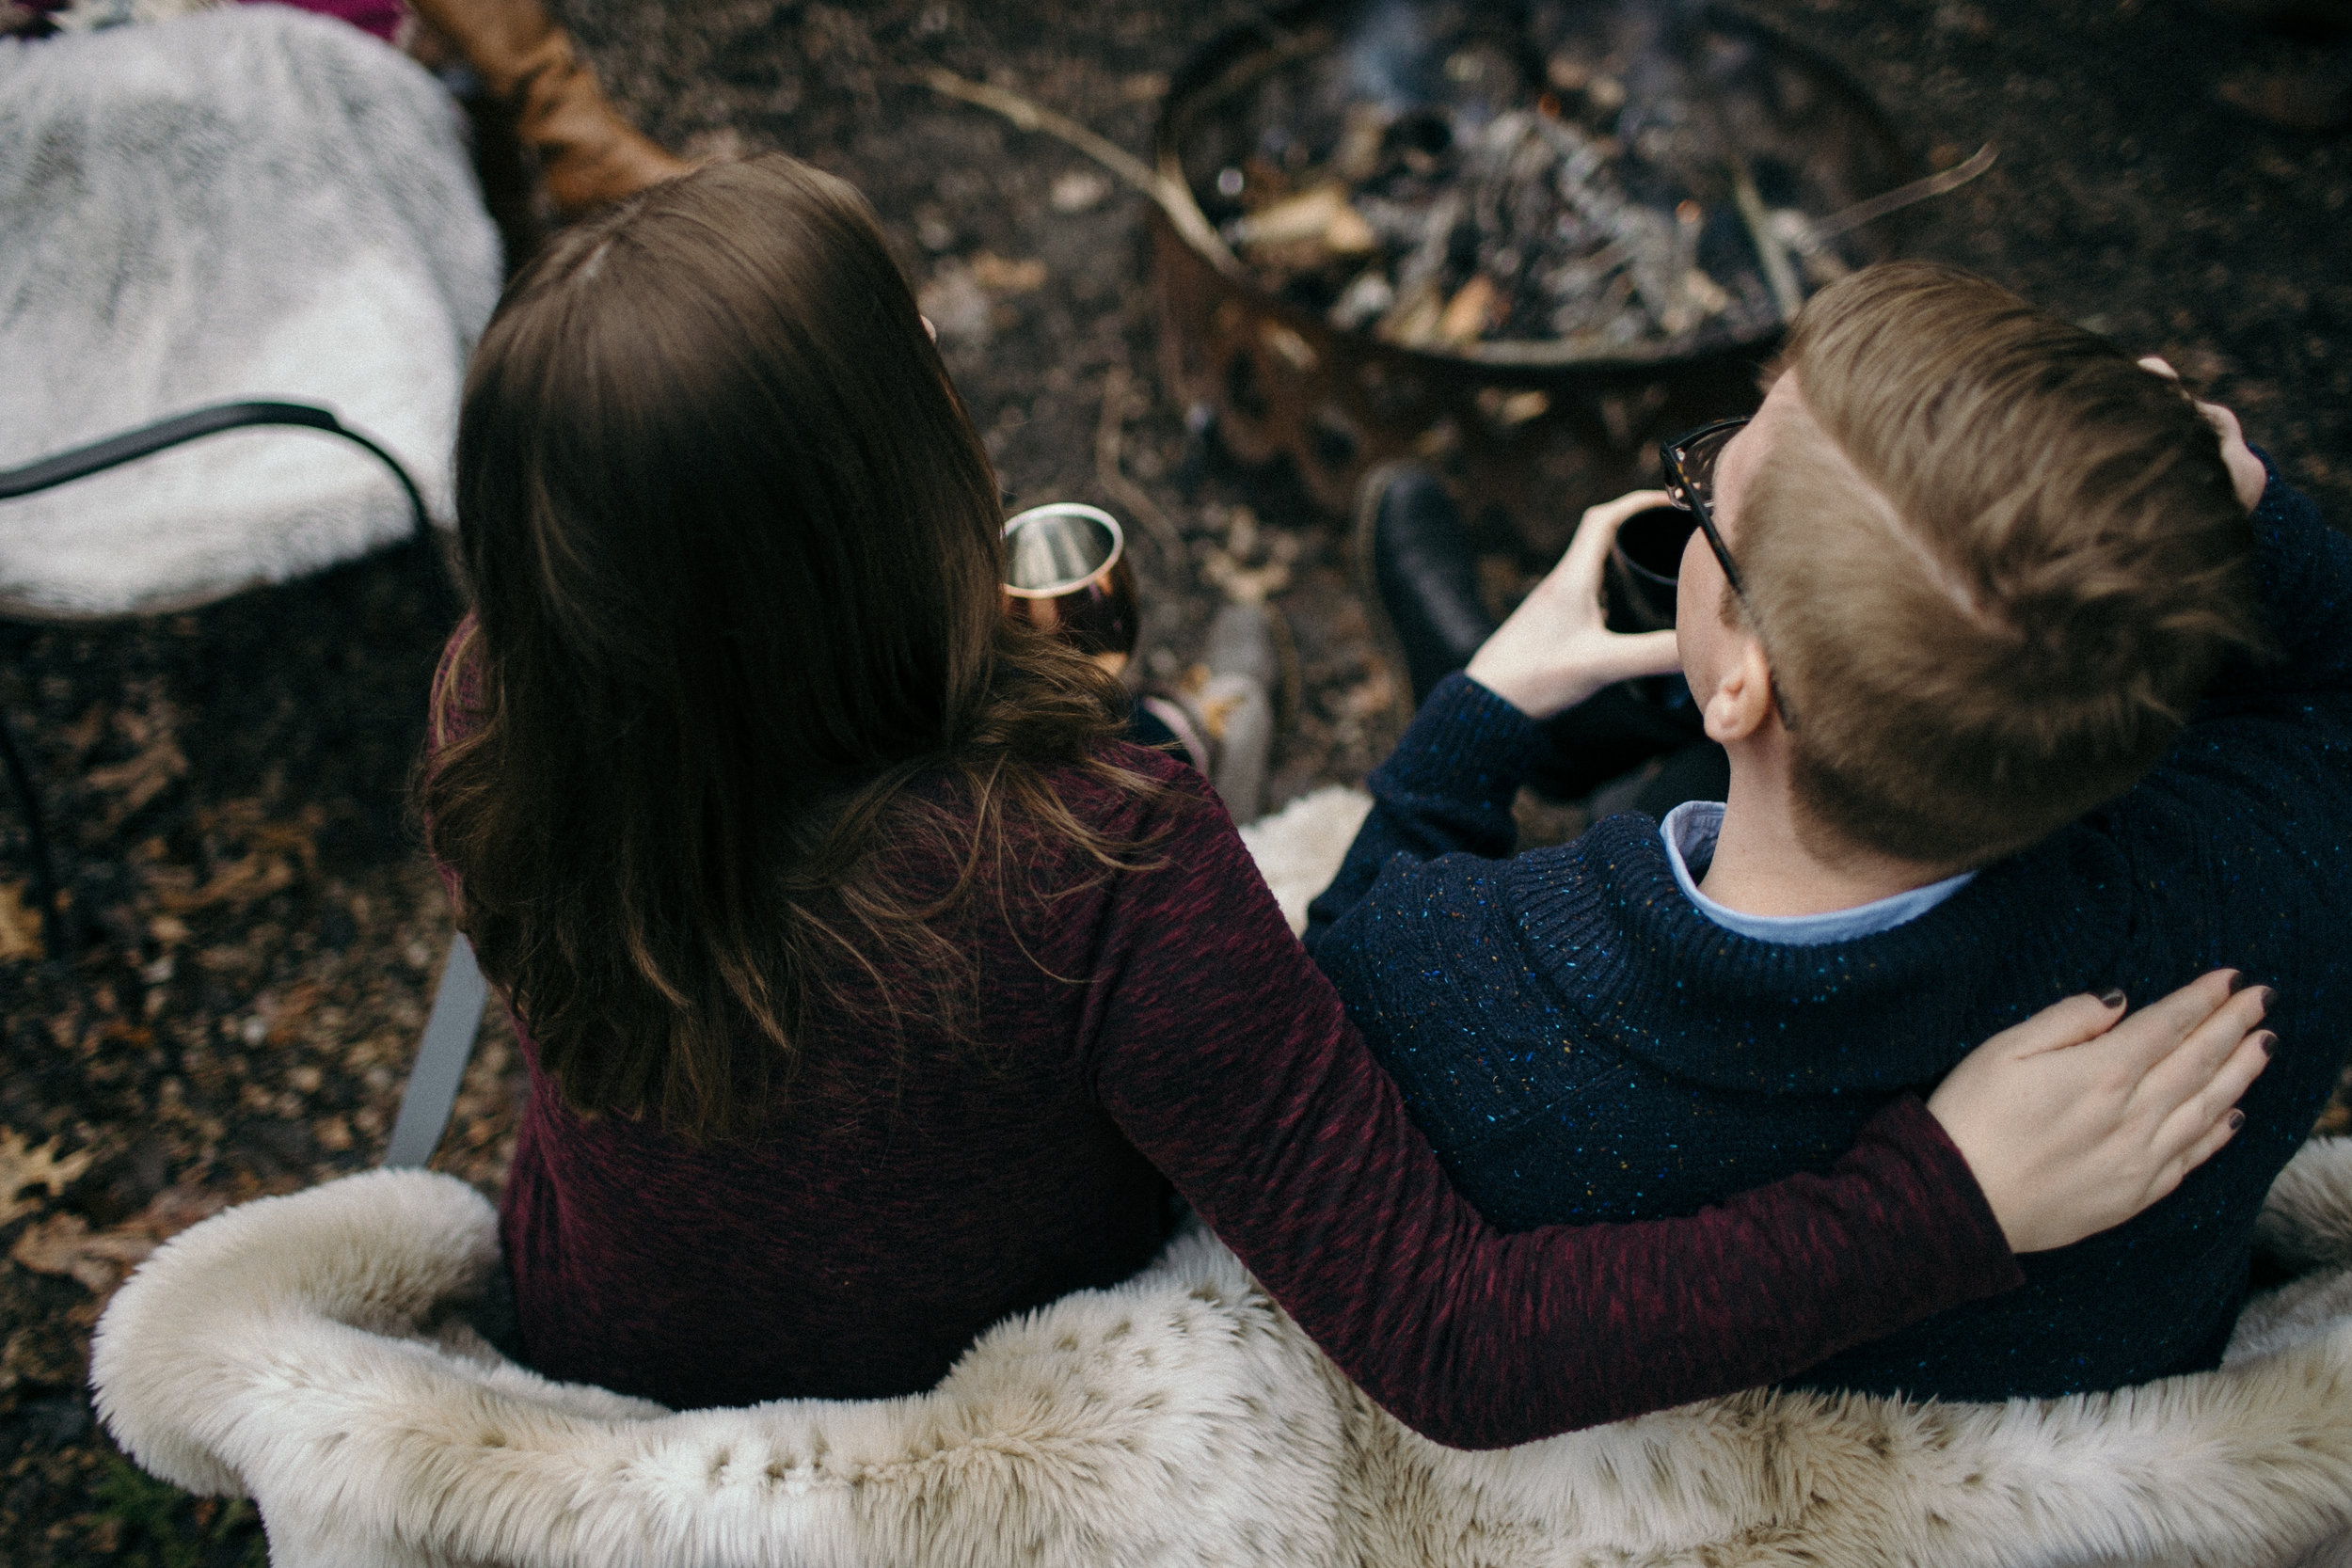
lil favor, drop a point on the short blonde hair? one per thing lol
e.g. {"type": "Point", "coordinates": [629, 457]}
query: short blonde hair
{"type": "Point", "coordinates": [1992, 604]}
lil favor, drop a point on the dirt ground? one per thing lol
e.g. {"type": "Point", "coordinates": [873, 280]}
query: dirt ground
{"type": "Point", "coordinates": [228, 785]}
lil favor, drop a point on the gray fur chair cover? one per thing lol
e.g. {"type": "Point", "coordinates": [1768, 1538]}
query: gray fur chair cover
{"type": "Point", "coordinates": [246, 203]}
{"type": "Point", "coordinates": [311, 1351]}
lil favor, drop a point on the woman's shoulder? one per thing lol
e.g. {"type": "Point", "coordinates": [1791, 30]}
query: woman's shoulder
{"type": "Point", "coordinates": [1153, 820]}
{"type": "Point", "coordinates": [1123, 785]}
{"type": "Point", "coordinates": [1153, 763]}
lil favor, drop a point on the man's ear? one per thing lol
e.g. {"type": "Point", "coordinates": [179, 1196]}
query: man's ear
{"type": "Point", "coordinates": [1743, 700]}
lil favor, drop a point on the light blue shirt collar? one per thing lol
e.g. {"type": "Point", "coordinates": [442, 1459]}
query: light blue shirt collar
{"type": "Point", "coordinates": [1690, 830]}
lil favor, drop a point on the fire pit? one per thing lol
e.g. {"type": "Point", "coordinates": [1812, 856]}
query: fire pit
{"type": "Point", "coordinates": [1520, 241]}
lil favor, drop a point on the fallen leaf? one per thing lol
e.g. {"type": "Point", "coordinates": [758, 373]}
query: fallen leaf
{"type": "Point", "coordinates": [150, 770]}
{"type": "Point", "coordinates": [1469, 314]}
{"type": "Point", "coordinates": [20, 925]}
{"type": "Point", "coordinates": [176, 1208]}
{"type": "Point", "coordinates": [252, 856]}
{"type": "Point", "coordinates": [243, 822]}
{"type": "Point", "coordinates": [144, 776]}
{"type": "Point", "coordinates": [100, 1261]}
{"type": "Point", "coordinates": [1000, 275]}
{"type": "Point", "coordinates": [65, 1245]}
{"type": "Point", "coordinates": [84, 732]}
{"type": "Point", "coordinates": [283, 1015]}
{"type": "Point", "coordinates": [257, 876]}
{"type": "Point", "coordinates": [22, 1167]}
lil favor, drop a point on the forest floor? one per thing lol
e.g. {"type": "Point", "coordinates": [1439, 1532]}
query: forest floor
{"type": "Point", "coordinates": [230, 783]}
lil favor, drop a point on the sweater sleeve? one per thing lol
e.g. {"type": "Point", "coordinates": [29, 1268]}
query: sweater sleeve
{"type": "Point", "coordinates": [1446, 788]}
{"type": "Point", "coordinates": [2304, 569]}
{"type": "Point", "coordinates": [1226, 1057]}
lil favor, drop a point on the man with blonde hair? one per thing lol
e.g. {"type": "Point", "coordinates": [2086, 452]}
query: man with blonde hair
{"type": "Point", "coordinates": [2032, 681]}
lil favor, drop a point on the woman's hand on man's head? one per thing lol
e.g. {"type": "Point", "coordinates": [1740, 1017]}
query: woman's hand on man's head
{"type": "Point", "coordinates": [2246, 474]}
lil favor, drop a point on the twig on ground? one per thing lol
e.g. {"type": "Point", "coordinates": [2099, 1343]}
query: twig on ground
{"type": "Point", "coordinates": [1165, 192]}
{"type": "Point", "coordinates": [1787, 298]}
{"type": "Point", "coordinates": [1903, 195]}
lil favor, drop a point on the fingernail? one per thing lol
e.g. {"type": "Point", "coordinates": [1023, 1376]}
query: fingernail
{"type": "Point", "coordinates": [2238, 981]}
{"type": "Point", "coordinates": [2268, 1041]}
{"type": "Point", "coordinates": [2268, 996]}
{"type": "Point", "coordinates": [2111, 997]}
{"type": "Point", "coordinates": [2237, 1119]}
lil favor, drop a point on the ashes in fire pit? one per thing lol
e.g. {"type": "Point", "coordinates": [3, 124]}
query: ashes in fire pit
{"type": "Point", "coordinates": [1548, 183]}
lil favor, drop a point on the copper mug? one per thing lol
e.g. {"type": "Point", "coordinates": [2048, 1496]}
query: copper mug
{"type": "Point", "coordinates": [1066, 572]}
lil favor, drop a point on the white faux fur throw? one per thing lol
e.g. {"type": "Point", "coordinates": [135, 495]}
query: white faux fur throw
{"type": "Point", "coordinates": [300, 1351]}
{"type": "Point", "coordinates": [1299, 848]}
{"type": "Point", "coordinates": [309, 1352]}
{"type": "Point", "coordinates": [246, 203]}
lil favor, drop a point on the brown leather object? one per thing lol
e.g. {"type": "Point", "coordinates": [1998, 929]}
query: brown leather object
{"type": "Point", "coordinates": [588, 153]}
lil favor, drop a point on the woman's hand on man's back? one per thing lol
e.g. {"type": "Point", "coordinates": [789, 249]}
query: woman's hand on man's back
{"type": "Point", "coordinates": [2080, 1117]}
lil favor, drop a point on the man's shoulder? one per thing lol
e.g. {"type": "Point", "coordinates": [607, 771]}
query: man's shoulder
{"type": "Point", "coordinates": [1458, 960]}
{"type": "Point", "coordinates": [1558, 896]}
{"type": "Point", "coordinates": [2246, 822]}
{"type": "Point", "coordinates": [1464, 975]}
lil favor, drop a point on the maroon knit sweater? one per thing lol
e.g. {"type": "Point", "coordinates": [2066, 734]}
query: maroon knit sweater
{"type": "Point", "coordinates": [1164, 1027]}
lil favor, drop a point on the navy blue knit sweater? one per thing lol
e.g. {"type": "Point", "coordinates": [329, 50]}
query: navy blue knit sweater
{"type": "Point", "coordinates": [1581, 1043]}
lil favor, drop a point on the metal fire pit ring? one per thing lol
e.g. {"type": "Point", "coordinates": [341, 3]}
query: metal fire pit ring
{"type": "Point", "coordinates": [1533, 440]}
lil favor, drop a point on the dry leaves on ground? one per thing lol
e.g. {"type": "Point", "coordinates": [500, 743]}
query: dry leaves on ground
{"type": "Point", "coordinates": [961, 297]}
{"type": "Point", "coordinates": [1004, 275]}
{"type": "Point", "coordinates": [100, 1261]}
{"type": "Point", "coordinates": [156, 760]}
{"type": "Point", "coordinates": [24, 1167]}
{"type": "Point", "coordinates": [1226, 566]}
{"type": "Point", "coordinates": [20, 925]}
{"type": "Point", "coordinates": [277, 853]}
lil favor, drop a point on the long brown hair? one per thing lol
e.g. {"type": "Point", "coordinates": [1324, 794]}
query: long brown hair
{"type": "Point", "coordinates": [735, 552]}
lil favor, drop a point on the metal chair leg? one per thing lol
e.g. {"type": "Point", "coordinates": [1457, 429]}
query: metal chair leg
{"type": "Point", "coordinates": [441, 1057]}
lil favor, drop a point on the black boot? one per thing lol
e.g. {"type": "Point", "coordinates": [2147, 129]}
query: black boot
{"type": "Point", "coordinates": [1415, 565]}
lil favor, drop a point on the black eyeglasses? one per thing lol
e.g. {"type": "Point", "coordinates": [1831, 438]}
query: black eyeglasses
{"type": "Point", "coordinates": [1689, 463]}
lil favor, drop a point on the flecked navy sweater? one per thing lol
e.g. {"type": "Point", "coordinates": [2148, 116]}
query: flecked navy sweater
{"type": "Point", "coordinates": [1581, 1043]}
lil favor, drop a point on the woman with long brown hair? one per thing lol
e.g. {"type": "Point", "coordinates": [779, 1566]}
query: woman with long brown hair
{"type": "Point", "coordinates": [872, 987]}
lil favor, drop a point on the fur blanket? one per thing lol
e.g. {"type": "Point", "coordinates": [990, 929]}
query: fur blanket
{"type": "Point", "coordinates": [1299, 848]}
{"type": "Point", "coordinates": [310, 1351]}
{"type": "Point", "coordinates": [252, 202]}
